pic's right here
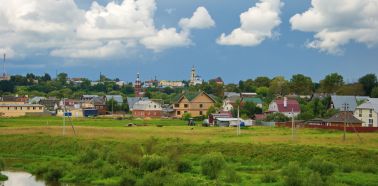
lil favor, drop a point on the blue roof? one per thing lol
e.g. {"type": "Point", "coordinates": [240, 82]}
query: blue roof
{"type": "Point", "coordinates": [340, 101]}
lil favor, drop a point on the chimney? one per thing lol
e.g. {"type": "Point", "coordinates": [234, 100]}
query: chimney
{"type": "Point", "coordinates": [285, 102]}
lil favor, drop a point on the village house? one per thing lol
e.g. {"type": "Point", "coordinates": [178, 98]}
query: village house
{"type": "Point", "coordinates": [194, 103]}
{"type": "Point", "coordinates": [147, 108]}
{"type": "Point", "coordinates": [288, 107]}
{"type": "Point", "coordinates": [342, 118]}
{"type": "Point", "coordinates": [342, 103]}
{"type": "Point", "coordinates": [132, 100]}
{"type": "Point", "coordinates": [230, 102]}
{"type": "Point", "coordinates": [172, 84]}
{"type": "Point", "coordinates": [16, 109]}
{"type": "Point", "coordinates": [368, 113]}
{"type": "Point", "coordinates": [116, 98]}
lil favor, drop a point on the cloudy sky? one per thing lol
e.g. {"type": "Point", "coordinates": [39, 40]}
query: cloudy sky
{"type": "Point", "coordinates": [234, 39]}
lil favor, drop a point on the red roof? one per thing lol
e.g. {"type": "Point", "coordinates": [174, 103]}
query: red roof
{"type": "Point", "coordinates": [292, 105]}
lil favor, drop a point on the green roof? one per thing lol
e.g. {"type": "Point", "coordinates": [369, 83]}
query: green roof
{"type": "Point", "coordinates": [253, 100]}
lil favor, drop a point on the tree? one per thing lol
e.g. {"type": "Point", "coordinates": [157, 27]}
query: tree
{"type": "Point", "coordinates": [301, 85]}
{"type": "Point", "coordinates": [374, 92]}
{"type": "Point", "coordinates": [277, 117]}
{"type": "Point", "coordinates": [7, 86]}
{"type": "Point", "coordinates": [211, 110]}
{"type": "Point", "coordinates": [279, 86]}
{"type": "Point", "coordinates": [331, 83]}
{"type": "Point", "coordinates": [262, 81]}
{"type": "Point", "coordinates": [62, 78]}
{"type": "Point", "coordinates": [356, 89]}
{"type": "Point", "coordinates": [262, 91]}
{"type": "Point", "coordinates": [369, 81]}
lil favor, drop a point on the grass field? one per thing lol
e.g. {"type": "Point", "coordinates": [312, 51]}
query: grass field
{"type": "Point", "coordinates": [105, 152]}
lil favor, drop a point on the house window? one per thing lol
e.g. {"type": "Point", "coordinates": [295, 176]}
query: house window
{"type": "Point", "coordinates": [185, 105]}
{"type": "Point", "coordinates": [20, 108]}
{"type": "Point", "coordinates": [15, 108]}
{"type": "Point", "coordinates": [200, 113]}
{"type": "Point", "coordinates": [371, 113]}
{"type": "Point", "coordinates": [154, 106]}
{"type": "Point", "coordinates": [178, 113]}
{"type": "Point", "coordinates": [177, 105]}
{"type": "Point", "coordinates": [28, 108]}
{"type": "Point", "coordinates": [33, 108]}
{"type": "Point", "coordinates": [201, 105]}
{"type": "Point", "coordinates": [8, 108]}
{"type": "Point", "coordinates": [360, 112]}
{"type": "Point", "coordinates": [370, 121]}
{"type": "Point", "coordinates": [40, 108]}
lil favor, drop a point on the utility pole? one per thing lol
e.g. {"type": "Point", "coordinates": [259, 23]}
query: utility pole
{"type": "Point", "coordinates": [112, 105]}
{"type": "Point", "coordinates": [4, 73]}
{"type": "Point", "coordinates": [345, 120]}
{"type": "Point", "coordinates": [292, 124]}
{"type": "Point", "coordinates": [64, 116]}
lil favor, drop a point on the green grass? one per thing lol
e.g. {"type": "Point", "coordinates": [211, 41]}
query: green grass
{"type": "Point", "coordinates": [106, 153]}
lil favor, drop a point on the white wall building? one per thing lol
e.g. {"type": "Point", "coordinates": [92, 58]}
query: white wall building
{"type": "Point", "coordinates": [368, 113]}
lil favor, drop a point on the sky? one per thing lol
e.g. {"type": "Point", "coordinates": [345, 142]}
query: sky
{"type": "Point", "coordinates": [233, 39]}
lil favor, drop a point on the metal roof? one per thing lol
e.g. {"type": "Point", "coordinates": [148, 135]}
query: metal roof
{"type": "Point", "coordinates": [340, 101]}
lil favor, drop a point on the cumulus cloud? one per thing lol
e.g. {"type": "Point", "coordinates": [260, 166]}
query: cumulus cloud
{"type": "Point", "coordinates": [169, 38]}
{"type": "Point", "coordinates": [200, 19]}
{"type": "Point", "coordinates": [61, 29]}
{"type": "Point", "coordinates": [166, 38]}
{"type": "Point", "coordinates": [131, 19]}
{"type": "Point", "coordinates": [336, 23]}
{"type": "Point", "coordinates": [257, 24]}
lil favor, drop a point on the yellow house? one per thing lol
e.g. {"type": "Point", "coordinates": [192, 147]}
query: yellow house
{"type": "Point", "coordinates": [16, 109]}
{"type": "Point", "coordinates": [197, 104]}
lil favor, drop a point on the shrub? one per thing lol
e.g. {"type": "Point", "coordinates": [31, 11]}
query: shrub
{"type": "Point", "coordinates": [3, 177]}
{"type": "Point", "coordinates": [128, 179]}
{"type": "Point", "coordinates": [292, 174]}
{"type": "Point", "coordinates": [88, 156]}
{"type": "Point", "coordinates": [269, 177]}
{"type": "Point", "coordinates": [2, 165]}
{"type": "Point", "coordinates": [323, 167]}
{"type": "Point", "coordinates": [53, 174]}
{"type": "Point", "coordinates": [314, 179]}
{"type": "Point", "coordinates": [232, 176]}
{"type": "Point", "coordinates": [212, 164]}
{"type": "Point", "coordinates": [184, 166]}
{"type": "Point", "coordinates": [157, 178]}
{"type": "Point", "coordinates": [153, 162]}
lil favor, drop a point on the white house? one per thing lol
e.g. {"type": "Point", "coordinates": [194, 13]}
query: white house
{"type": "Point", "coordinates": [368, 113]}
{"type": "Point", "coordinates": [288, 107]}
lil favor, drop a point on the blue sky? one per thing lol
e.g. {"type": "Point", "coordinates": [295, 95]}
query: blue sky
{"type": "Point", "coordinates": [285, 54]}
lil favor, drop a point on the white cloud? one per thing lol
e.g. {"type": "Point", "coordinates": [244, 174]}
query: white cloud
{"type": "Point", "coordinates": [166, 38]}
{"type": "Point", "coordinates": [257, 24]}
{"type": "Point", "coordinates": [336, 23]}
{"type": "Point", "coordinates": [131, 19]}
{"type": "Point", "coordinates": [200, 19]}
{"type": "Point", "coordinates": [59, 28]}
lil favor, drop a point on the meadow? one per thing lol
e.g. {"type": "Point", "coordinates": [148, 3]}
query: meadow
{"type": "Point", "coordinates": [167, 152]}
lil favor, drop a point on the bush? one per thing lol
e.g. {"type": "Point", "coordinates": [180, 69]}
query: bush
{"type": "Point", "coordinates": [2, 165]}
{"type": "Point", "coordinates": [88, 156]}
{"type": "Point", "coordinates": [53, 174]}
{"type": "Point", "coordinates": [212, 164]}
{"type": "Point", "coordinates": [269, 177]}
{"type": "Point", "coordinates": [3, 177]}
{"type": "Point", "coordinates": [153, 162]}
{"type": "Point", "coordinates": [323, 167]}
{"type": "Point", "coordinates": [232, 176]}
{"type": "Point", "coordinates": [314, 179]}
{"type": "Point", "coordinates": [128, 179]}
{"type": "Point", "coordinates": [292, 174]}
{"type": "Point", "coordinates": [184, 166]}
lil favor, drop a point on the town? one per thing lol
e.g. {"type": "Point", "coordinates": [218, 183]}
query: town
{"type": "Point", "coordinates": [262, 101]}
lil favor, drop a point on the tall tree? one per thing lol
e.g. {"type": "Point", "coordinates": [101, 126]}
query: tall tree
{"type": "Point", "coordinates": [301, 85]}
{"type": "Point", "coordinates": [62, 78]}
{"type": "Point", "coordinates": [369, 81]}
{"type": "Point", "coordinates": [279, 86]}
{"type": "Point", "coordinates": [374, 92]}
{"type": "Point", "coordinates": [331, 83]}
{"type": "Point", "coordinates": [262, 81]}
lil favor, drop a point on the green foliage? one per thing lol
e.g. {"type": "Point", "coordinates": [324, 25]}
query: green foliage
{"type": "Point", "coordinates": [2, 164]}
{"type": "Point", "coordinates": [313, 179]}
{"type": "Point", "coordinates": [351, 89]}
{"type": "Point", "coordinates": [184, 165]}
{"type": "Point", "coordinates": [292, 174]}
{"type": "Point", "coordinates": [128, 179]}
{"type": "Point", "coordinates": [368, 82]}
{"type": "Point", "coordinates": [212, 164]}
{"type": "Point", "coordinates": [88, 156]}
{"type": "Point", "coordinates": [232, 176]}
{"type": "Point", "coordinates": [269, 177]}
{"type": "Point", "coordinates": [153, 162]}
{"type": "Point", "coordinates": [262, 81]}
{"type": "Point", "coordinates": [262, 91]}
{"type": "Point", "coordinates": [301, 85]}
{"type": "Point", "coordinates": [331, 83]}
{"type": "Point", "coordinates": [322, 166]}
{"type": "Point", "coordinates": [277, 117]}
{"type": "Point", "coordinates": [3, 177]}
{"type": "Point", "coordinates": [279, 86]}
{"type": "Point", "coordinates": [186, 116]}
{"type": "Point", "coordinates": [374, 92]}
